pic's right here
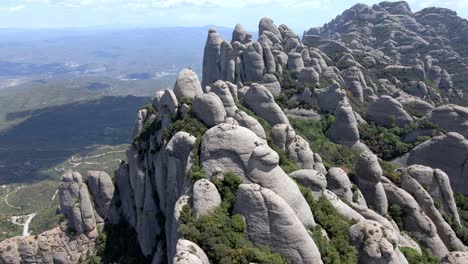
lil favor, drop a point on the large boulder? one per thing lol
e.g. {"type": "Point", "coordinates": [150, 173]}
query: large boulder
{"type": "Point", "coordinates": [368, 174]}
{"type": "Point", "coordinates": [266, 24]}
{"type": "Point", "coordinates": [344, 130]}
{"type": "Point", "coordinates": [209, 109]}
{"type": "Point", "coordinates": [437, 184]}
{"type": "Point", "coordinates": [188, 252]}
{"type": "Point", "coordinates": [271, 83]}
{"type": "Point", "coordinates": [388, 112]}
{"type": "Point", "coordinates": [262, 102]}
{"type": "Point", "coordinates": [211, 68]}
{"type": "Point", "coordinates": [271, 222]}
{"type": "Point", "coordinates": [253, 161]}
{"type": "Point", "coordinates": [452, 118]}
{"type": "Point", "coordinates": [316, 181]}
{"type": "Point", "coordinates": [448, 153]}
{"type": "Point", "coordinates": [308, 76]}
{"type": "Point", "coordinates": [102, 190]}
{"type": "Point", "coordinates": [354, 80]}
{"type": "Point", "coordinates": [295, 62]}
{"type": "Point", "coordinates": [415, 221]}
{"type": "Point", "coordinates": [254, 65]}
{"type": "Point", "coordinates": [426, 203]}
{"type": "Point", "coordinates": [376, 243]}
{"type": "Point", "coordinates": [187, 84]}
{"type": "Point", "coordinates": [206, 197]}
{"type": "Point", "coordinates": [76, 205]}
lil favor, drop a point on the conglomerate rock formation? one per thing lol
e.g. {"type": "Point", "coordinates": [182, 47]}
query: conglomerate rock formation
{"type": "Point", "coordinates": [282, 152]}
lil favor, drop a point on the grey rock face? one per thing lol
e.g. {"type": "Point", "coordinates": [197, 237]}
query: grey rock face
{"type": "Point", "coordinates": [262, 102]}
{"type": "Point", "coordinates": [249, 122]}
{"type": "Point", "coordinates": [253, 161]}
{"type": "Point", "coordinates": [376, 243]}
{"type": "Point", "coordinates": [416, 221]}
{"type": "Point", "coordinates": [455, 257]}
{"type": "Point", "coordinates": [354, 80]}
{"type": "Point", "coordinates": [447, 153]}
{"type": "Point", "coordinates": [426, 203]}
{"type": "Point", "coordinates": [271, 83]}
{"type": "Point", "coordinates": [299, 150]}
{"type": "Point", "coordinates": [271, 222]}
{"type": "Point", "coordinates": [211, 69]}
{"type": "Point", "coordinates": [76, 205]}
{"type": "Point", "coordinates": [187, 84]}
{"type": "Point", "coordinates": [437, 183]}
{"type": "Point", "coordinates": [312, 179]}
{"type": "Point", "coordinates": [188, 252]}
{"type": "Point", "coordinates": [453, 118]}
{"type": "Point", "coordinates": [209, 108]}
{"type": "Point", "coordinates": [206, 197]}
{"type": "Point", "coordinates": [295, 62]}
{"type": "Point", "coordinates": [368, 174]}
{"type": "Point", "coordinates": [54, 246]}
{"type": "Point", "coordinates": [266, 24]}
{"type": "Point", "coordinates": [239, 34]}
{"type": "Point", "coordinates": [282, 135]}
{"type": "Point", "coordinates": [330, 97]}
{"type": "Point", "coordinates": [102, 190]}
{"type": "Point", "coordinates": [308, 75]}
{"type": "Point", "coordinates": [344, 130]}
{"type": "Point", "coordinates": [338, 182]}
{"type": "Point", "coordinates": [224, 92]}
{"type": "Point", "coordinates": [387, 112]}
{"type": "Point", "coordinates": [254, 65]}
{"type": "Point", "coordinates": [416, 106]}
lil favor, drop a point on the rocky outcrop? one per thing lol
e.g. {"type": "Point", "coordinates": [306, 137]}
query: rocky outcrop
{"type": "Point", "coordinates": [209, 108]}
{"type": "Point", "coordinates": [437, 184]}
{"type": "Point", "coordinates": [206, 197]}
{"type": "Point", "coordinates": [451, 117]}
{"type": "Point", "coordinates": [262, 102]}
{"type": "Point", "coordinates": [76, 205]}
{"type": "Point", "coordinates": [376, 243]}
{"type": "Point", "coordinates": [102, 189]}
{"type": "Point", "coordinates": [188, 252]}
{"type": "Point", "coordinates": [271, 222]}
{"type": "Point", "coordinates": [426, 203]}
{"type": "Point", "coordinates": [187, 85]}
{"type": "Point", "coordinates": [448, 153]}
{"type": "Point", "coordinates": [415, 220]}
{"type": "Point", "coordinates": [211, 69]}
{"type": "Point", "coordinates": [344, 129]}
{"type": "Point", "coordinates": [388, 112]}
{"type": "Point", "coordinates": [368, 174]}
{"type": "Point", "coordinates": [50, 247]}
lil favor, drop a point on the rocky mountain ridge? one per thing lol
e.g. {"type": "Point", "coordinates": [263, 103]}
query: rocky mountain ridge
{"type": "Point", "coordinates": [272, 158]}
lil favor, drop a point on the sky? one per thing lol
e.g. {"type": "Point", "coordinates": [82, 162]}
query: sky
{"type": "Point", "coordinates": [300, 15]}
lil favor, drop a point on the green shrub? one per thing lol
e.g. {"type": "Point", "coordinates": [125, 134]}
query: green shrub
{"type": "Point", "coordinates": [337, 228]}
{"type": "Point", "coordinates": [221, 234]}
{"type": "Point", "coordinates": [333, 155]}
{"type": "Point", "coordinates": [414, 257]}
{"type": "Point", "coordinates": [397, 215]}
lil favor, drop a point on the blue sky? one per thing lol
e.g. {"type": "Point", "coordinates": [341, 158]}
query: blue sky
{"type": "Point", "coordinates": [298, 14]}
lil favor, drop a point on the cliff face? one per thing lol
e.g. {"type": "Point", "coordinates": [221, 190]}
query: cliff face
{"type": "Point", "coordinates": [276, 155]}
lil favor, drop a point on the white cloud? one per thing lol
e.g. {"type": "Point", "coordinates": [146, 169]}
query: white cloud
{"type": "Point", "coordinates": [12, 9]}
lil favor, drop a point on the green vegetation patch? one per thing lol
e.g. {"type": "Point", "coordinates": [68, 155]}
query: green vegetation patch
{"type": "Point", "coordinates": [221, 234]}
{"type": "Point", "coordinates": [414, 257]}
{"type": "Point", "coordinates": [333, 155]}
{"type": "Point", "coordinates": [388, 143]}
{"type": "Point", "coordinates": [337, 249]}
